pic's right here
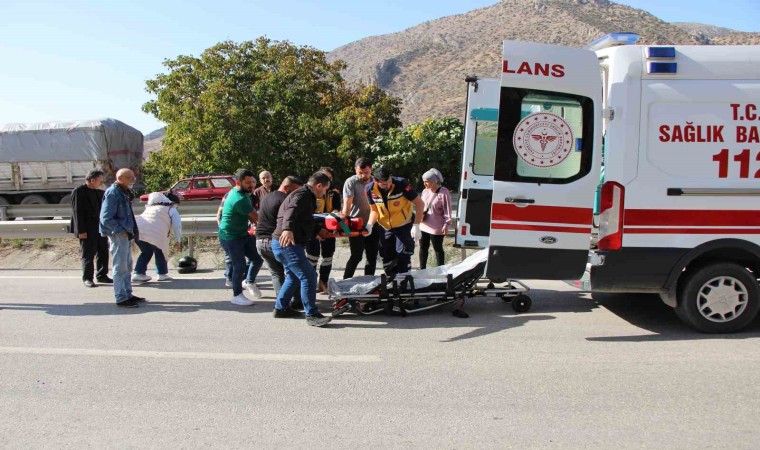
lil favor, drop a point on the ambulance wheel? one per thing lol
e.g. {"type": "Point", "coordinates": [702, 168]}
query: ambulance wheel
{"type": "Point", "coordinates": [521, 303]}
{"type": "Point", "coordinates": [719, 298]}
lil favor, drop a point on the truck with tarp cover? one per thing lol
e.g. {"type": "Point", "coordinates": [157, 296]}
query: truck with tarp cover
{"type": "Point", "coordinates": [41, 163]}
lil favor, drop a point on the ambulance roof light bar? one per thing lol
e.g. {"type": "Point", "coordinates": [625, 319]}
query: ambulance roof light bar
{"type": "Point", "coordinates": [612, 40]}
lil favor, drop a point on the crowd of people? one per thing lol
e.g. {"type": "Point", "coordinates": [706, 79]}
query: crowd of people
{"type": "Point", "coordinates": [266, 225]}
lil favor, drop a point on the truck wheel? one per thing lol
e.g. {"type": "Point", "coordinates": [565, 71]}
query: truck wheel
{"type": "Point", "coordinates": [5, 202]}
{"type": "Point", "coordinates": [34, 200]}
{"type": "Point", "coordinates": [719, 298]}
{"type": "Point", "coordinates": [65, 200]}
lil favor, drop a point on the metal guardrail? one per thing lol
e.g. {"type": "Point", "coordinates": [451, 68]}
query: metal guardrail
{"type": "Point", "coordinates": [58, 210]}
{"type": "Point", "coordinates": [198, 219]}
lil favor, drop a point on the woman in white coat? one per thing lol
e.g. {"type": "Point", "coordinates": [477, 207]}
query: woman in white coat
{"type": "Point", "coordinates": [155, 225]}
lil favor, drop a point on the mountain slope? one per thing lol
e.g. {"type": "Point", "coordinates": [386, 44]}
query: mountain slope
{"type": "Point", "coordinates": [425, 65]}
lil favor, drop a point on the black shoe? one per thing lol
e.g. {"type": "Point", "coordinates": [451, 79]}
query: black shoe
{"type": "Point", "coordinates": [286, 314]}
{"type": "Point", "coordinates": [131, 303]}
{"type": "Point", "coordinates": [137, 299]}
{"type": "Point", "coordinates": [317, 320]}
{"type": "Point", "coordinates": [297, 305]}
{"type": "Point", "coordinates": [89, 283]}
{"type": "Point", "coordinates": [105, 280]}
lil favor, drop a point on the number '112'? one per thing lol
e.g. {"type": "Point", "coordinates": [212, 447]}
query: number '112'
{"type": "Point", "coordinates": [742, 158]}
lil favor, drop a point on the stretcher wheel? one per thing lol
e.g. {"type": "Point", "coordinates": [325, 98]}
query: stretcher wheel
{"type": "Point", "coordinates": [521, 303]}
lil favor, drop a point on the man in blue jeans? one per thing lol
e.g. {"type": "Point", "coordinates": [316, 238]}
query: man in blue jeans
{"type": "Point", "coordinates": [268, 210]}
{"type": "Point", "coordinates": [295, 227]}
{"type": "Point", "coordinates": [117, 222]}
{"type": "Point", "coordinates": [233, 233]}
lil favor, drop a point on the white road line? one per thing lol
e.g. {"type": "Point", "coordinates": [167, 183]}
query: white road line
{"type": "Point", "coordinates": [39, 278]}
{"type": "Point", "coordinates": [190, 355]}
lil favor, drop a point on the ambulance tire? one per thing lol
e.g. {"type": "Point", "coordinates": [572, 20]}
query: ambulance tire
{"type": "Point", "coordinates": [733, 280]}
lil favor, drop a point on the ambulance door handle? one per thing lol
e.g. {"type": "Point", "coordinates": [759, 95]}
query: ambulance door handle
{"type": "Point", "coordinates": [519, 200]}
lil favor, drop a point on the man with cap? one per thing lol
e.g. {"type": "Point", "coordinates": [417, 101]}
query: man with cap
{"type": "Point", "coordinates": [391, 200]}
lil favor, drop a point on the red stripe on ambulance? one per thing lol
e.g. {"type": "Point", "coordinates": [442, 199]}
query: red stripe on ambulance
{"type": "Point", "coordinates": [690, 218]}
{"type": "Point", "coordinates": [537, 213]}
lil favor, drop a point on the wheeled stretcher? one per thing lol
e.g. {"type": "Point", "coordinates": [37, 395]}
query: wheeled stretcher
{"type": "Point", "coordinates": [422, 290]}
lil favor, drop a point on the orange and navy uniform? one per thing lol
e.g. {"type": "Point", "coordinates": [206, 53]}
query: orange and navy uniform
{"type": "Point", "coordinates": [394, 207]}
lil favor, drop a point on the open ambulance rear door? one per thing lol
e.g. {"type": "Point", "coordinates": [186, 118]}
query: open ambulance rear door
{"type": "Point", "coordinates": [548, 157]}
{"type": "Point", "coordinates": [479, 150]}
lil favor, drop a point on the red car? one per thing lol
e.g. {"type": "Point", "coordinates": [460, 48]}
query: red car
{"type": "Point", "coordinates": [201, 187]}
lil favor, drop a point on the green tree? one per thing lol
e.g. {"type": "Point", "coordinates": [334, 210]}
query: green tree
{"type": "Point", "coordinates": [264, 105]}
{"type": "Point", "coordinates": [412, 151]}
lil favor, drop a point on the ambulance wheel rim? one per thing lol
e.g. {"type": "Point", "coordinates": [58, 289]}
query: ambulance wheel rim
{"type": "Point", "coordinates": [722, 299]}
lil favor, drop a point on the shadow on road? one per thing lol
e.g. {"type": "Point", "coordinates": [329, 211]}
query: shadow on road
{"type": "Point", "coordinates": [648, 312]}
{"type": "Point", "coordinates": [486, 315]}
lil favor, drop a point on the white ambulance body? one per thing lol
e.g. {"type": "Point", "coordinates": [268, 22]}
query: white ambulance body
{"type": "Point", "coordinates": [678, 128]}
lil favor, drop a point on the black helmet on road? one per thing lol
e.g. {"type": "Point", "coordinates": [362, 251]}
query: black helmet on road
{"type": "Point", "coordinates": [187, 264]}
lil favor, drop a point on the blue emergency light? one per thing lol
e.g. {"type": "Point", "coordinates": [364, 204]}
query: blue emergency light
{"type": "Point", "coordinates": [661, 52]}
{"type": "Point", "coordinates": [612, 40]}
{"type": "Point", "coordinates": [663, 67]}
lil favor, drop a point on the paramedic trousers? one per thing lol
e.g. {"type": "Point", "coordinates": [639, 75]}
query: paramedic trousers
{"type": "Point", "coordinates": [397, 248]}
{"type": "Point", "coordinates": [327, 249]}
{"type": "Point", "coordinates": [425, 240]}
{"type": "Point", "coordinates": [297, 268]}
{"type": "Point", "coordinates": [367, 245]}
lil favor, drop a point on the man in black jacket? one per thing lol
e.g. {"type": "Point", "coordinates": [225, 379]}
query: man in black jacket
{"type": "Point", "coordinates": [268, 210]}
{"type": "Point", "coordinates": [295, 227]}
{"type": "Point", "coordinates": [86, 201]}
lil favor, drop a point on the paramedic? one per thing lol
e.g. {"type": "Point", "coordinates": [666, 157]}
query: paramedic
{"type": "Point", "coordinates": [391, 200]}
{"type": "Point", "coordinates": [328, 203]}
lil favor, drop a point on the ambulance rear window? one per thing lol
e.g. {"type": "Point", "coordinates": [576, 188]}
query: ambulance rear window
{"type": "Point", "coordinates": [543, 137]}
{"type": "Point", "coordinates": [485, 147]}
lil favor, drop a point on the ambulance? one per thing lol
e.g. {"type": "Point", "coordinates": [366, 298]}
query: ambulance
{"type": "Point", "coordinates": [657, 145]}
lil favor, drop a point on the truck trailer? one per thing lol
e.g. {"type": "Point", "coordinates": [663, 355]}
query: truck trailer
{"type": "Point", "coordinates": [41, 163]}
{"type": "Point", "coordinates": [675, 130]}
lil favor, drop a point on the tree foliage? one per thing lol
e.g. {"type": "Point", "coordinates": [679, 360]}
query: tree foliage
{"type": "Point", "coordinates": [412, 151]}
{"type": "Point", "coordinates": [263, 105]}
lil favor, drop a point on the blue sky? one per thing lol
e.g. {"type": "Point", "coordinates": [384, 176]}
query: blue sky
{"type": "Point", "coordinates": [76, 59]}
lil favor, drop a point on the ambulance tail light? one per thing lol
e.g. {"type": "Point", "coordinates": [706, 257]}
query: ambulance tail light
{"type": "Point", "coordinates": [611, 209]}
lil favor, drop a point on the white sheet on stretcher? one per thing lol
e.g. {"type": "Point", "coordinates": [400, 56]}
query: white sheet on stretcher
{"type": "Point", "coordinates": [422, 278]}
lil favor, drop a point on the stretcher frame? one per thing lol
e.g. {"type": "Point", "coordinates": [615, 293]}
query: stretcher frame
{"type": "Point", "coordinates": [394, 296]}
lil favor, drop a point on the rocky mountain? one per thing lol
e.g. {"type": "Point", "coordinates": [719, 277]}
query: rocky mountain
{"type": "Point", "coordinates": [426, 65]}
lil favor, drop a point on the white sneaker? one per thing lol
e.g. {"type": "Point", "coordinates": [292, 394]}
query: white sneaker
{"type": "Point", "coordinates": [227, 283]}
{"type": "Point", "coordinates": [139, 278]}
{"type": "Point", "coordinates": [241, 300]}
{"type": "Point", "coordinates": [164, 277]}
{"type": "Point", "coordinates": [254, 290]}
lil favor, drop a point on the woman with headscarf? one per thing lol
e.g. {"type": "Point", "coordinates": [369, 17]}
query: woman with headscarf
{"type": "Point", "coordinates": [156, 223]}
{"type": "Point", "coordinates": [436, 216]}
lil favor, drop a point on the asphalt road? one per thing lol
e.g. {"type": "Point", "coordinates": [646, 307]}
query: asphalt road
{"type": "Point", "coordinates": [189, 370]}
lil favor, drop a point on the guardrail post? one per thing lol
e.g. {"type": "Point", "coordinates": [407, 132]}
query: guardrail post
{"type": "Point", "coordinates": [190, 245]}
